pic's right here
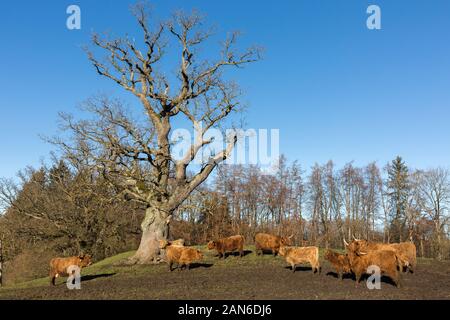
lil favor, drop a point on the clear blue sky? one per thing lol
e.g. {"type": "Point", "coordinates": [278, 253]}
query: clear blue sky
{"type": "Point", "coordinates": [335, 89]}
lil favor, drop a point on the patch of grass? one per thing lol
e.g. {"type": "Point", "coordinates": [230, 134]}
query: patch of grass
{"type": "Point", "coordinates": [106, 266]}
{"type": "Point", "coordinates": [112, 268]}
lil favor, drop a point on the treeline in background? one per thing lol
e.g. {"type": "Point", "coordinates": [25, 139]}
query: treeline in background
{"type": "Point", "coordinates": [60, 210]}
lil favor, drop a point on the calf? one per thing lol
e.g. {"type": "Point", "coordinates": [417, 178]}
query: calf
{"type": "Point", "coordinates": [59, 266]}
{"type": "Point", "coordinates": [340, 262]}
{"type": "Point", "coordinates": [230, 244]}
{"type": "Point", "coordinates": [298, 255]}
{"type": "Point", "coordinates": [182, 256]}
{"type": "Point", "coordinates": [386, 260]}
{"type": "Point", "coordinates": [269, 242]}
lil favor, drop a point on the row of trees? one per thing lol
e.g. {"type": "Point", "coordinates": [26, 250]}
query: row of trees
{"type": "Point", "coordinates": [327, 205]}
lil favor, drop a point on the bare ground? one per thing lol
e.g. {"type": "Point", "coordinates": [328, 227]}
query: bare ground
{"type": "Point", "coordinates": [250, 277]}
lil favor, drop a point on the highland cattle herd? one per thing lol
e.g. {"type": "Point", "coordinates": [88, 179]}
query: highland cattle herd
{"type": "Point", "coordinates": [391, 259]}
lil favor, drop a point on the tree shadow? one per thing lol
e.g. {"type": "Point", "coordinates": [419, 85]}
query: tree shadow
{"type": "Point", "coordinates": [96, 276]}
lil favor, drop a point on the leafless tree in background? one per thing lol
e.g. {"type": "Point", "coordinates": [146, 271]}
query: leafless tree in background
{"type": "Point", "coordinates": [435, 195]}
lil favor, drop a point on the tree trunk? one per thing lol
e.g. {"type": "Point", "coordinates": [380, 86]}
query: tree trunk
{"type": "Point", "coordinates": [155, 227]}
{"type": "Point", "coordinates": [422, 250]}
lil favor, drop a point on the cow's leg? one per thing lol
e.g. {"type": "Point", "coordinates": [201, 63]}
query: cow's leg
{"type": "Point", "coordinates": [411, 267]}
{"type": "Point", "coordinates": [170, 266]}
{"type": "Point", "coordinates": [53, 278]}
{"type": "Point", "coordinates": [340, 275]}
{"type": "Point", "coordinates": [395, 276]}
{"type": "Point", "coordinates": [358, 278]}
{"type": "Point", "coordinates": [51, 275]}
{"type": "Point", "coordinates": [188, 266]}
{"type": "Point", "coordinates": [399, 281]}
{"type": "Point", "coordinates": [274, 252]}
{"type": "Point", "coordinates": [293, 267]}
{"type": "Point", "coordinates": [241, 253]}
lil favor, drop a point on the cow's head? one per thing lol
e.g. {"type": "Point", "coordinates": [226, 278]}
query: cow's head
{"type": "Point", "coordinates": [286, 241]}
{"type": "Point", "coordinates": [355, 247]}
{"type": "Point", "coordinates": [211, 245]}
{"type": "Point", "coordinates": [84, 260]}
{"type": "Point", "coordinates": [282, 251]}
{"type": "Point", "coordinates": [163, 244]}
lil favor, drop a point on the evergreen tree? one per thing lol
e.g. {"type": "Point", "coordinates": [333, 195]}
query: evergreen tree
{"type": "Point", "coordinates": [398, 190]}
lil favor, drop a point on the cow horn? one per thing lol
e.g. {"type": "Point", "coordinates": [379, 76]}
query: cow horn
{"type": "Point", "coordinates": [290, 236]}
{"type": "Point", "coordinates": [362, 253]}
{"type": "Point", "coordinates": [345, 243]}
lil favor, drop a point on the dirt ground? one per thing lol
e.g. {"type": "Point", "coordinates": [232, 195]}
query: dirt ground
{"type": "Point", "coordinates": [250, 277]}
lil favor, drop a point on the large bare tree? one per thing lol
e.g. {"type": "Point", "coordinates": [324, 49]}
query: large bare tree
{"type": "Point", "coordinates": [135, 154]}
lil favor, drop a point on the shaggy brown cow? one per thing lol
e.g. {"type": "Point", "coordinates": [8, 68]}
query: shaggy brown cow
{"type": "Point", "coordinates": [268, 242]}
{"type": "Point", "coordinates": [182, 256]}
{"type": "Point", "coordinates": [339, 261]}
{"type": "Point", "coordinates": [298, 255]}
{"type": "Point", "coordinates": [165, 243]}
{"type": "Point", "coordinates": [386, 260]}
{"type": "Point", "coordinates": [230, 244]}
{"type": "Point", "coordinates": [406, 251]}
{"type": "Point", "coordinates": [59, 266]}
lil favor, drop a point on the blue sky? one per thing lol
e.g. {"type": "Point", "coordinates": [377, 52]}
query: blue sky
{"type": "Point", "coordinates": [335, 89]}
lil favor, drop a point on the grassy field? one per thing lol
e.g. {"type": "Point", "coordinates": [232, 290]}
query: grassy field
{"type": "Point", "coordinates": [250, 277]}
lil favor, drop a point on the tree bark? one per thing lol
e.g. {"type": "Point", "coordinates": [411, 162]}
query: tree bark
{"type": "Point", "coordinates": [155, 227]}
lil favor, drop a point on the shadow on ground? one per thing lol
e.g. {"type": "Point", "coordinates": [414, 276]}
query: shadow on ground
{"type": "Point", "coordinates": [300, 268]}
{"type": "Point", "coordinates": [96, 276]}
